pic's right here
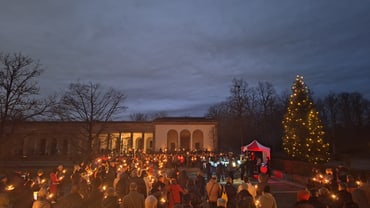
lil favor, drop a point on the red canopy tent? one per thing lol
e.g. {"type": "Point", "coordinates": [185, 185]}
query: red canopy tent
{"type": "Point", "coordinates": [255, 146]}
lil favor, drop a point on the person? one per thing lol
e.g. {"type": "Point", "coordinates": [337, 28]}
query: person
{"type": "Point", "coordinates": [302, 199]}
{"type": "Point", "coordinates": [186, 201]}
{"type": "Point", "coordinates": [247, 185]}
{"type": "Point", "coordinates": [133, 199]}
{"type": "Point", "coordinates": [243, 167]}
{"type": "Point", "coordinates": [54, 181]}
{"type": "Point", "coordinates": [200, 184]}
{"type": "Point", "coordinates": [314, 199]}
{"type": "Point", "coordinates": [60, 174]}
{"type": "Point", "coordinates": [174, 192]}
{"type": "Point", "coordinates": [4, 196]}
{"type": "Point", "coordinates": [231, 191]}
{"type": "Point", "coordinates": [214, 191]}
{"type": "Point", "coordinates": [148, 184]}
{"type": "Point", "coordinates": [94, 196]}
{"type": "Point", "coordinates": [268, 166]}
{"type": "Point", "coordinates": [267, 200]}
{"type": "Point", "coordinates": [159, 190]}
{"type": "Point", "coordinates": [140, 182]}
{"type": "Point", "coordinates": [263, 178]}
{"type": "Point", "coordinates": [365, 186]}
{"type": "Point", "coordinates": [39, 180]}
{"type": "Point", "coordinates": [359, 197]}
{"type": "Point", "coordinates": [344, 196]}
{"type": "Point", "coordinates": [151, 201]}
{"type": "Point", "coordinates": [220, 172]}
{"type": "Point", "coordinates": [41, 201]}
{"type": "Point", "coordinates": [71, 200]}
{"type": "Point", "coordinates": [196, 199]}
{"type": "Point", "coordinates": [221, 203]}
{"type": "Point", "coordinates": [230, 170]}
{"type": "Point", "coordinates": [258, 164]}
{"type": "Point", "coordinates": [109, 200]}
{"type": "Point", "coordinates": [351, 183]}
{"type": "Point", "coordinates": [183, 179]}
{"type": "Point", "coordinates": [21, 195]}
{"type": "Point", "coordinates": [76, 177]}
{"type": "Point", "coordinates": [244, 200]}
{"type": "Point", "coordinates": [122, 187]}
{"type": "Point", "coordinates": [323, 196]}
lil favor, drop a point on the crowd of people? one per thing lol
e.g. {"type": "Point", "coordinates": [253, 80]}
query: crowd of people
{"type": "Point", "coordinates": [169, 180]}
{"type": "Point", "coordinates": [335, 188]}
{"type": "Point", "coordinates": [135, 180]}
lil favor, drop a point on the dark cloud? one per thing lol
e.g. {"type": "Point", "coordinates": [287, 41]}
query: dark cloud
{"type": "Point", "coordinates": [180, 56]}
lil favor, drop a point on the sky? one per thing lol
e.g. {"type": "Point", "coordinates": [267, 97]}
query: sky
{"type": "Point", "coordinates": [180, 57]}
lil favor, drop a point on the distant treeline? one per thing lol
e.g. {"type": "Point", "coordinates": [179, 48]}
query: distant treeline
{"type": "Point", "coordinates": [257, 112]}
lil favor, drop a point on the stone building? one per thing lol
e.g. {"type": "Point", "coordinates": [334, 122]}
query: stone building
{"type": "Point", "coordinates": [118, 137]}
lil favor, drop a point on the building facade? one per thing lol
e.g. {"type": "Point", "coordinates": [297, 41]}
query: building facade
{"type": "Point", "coordinates": [117, 137]}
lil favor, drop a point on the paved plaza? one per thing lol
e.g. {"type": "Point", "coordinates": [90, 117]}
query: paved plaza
{"type": "Point", "coordinates": [284, 191]}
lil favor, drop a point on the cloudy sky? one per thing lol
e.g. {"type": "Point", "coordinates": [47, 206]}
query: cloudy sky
{"type": "Point", "coordinates": [181, 56]}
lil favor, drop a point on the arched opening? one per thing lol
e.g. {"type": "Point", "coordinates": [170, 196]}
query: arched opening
{"type": "Point", "coordinates": [149, 144]}
{"type": "Point", "coordinates": [198, 140]}
{"type": "Point", "coordinates": [185, 140]}
{"type": "Point", "coordinates": [126, 144]}
{"type": "Point", "coordinates": [130, 144]}
{"type": "Point", "coordinates": [139, 143]}
{"type": "Point", "coordinates": [172, 140]}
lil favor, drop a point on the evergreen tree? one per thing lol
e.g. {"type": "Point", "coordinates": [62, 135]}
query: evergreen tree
{"type": "Point", "coordinates": [303, 131]}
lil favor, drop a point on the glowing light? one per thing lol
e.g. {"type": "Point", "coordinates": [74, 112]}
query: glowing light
{"type": "Point", "coordinates": [257, 203]}
{"type": "Point", "coordinates": [10, 187]}
{"type": "Point", "coordinates": [35, 195]}
{"type": "Point", "coordinates": [163, 200]}
{"type": "Point", "coordinates": [50, 196]}
{"type": "Point", "coordinates": [333, 196]}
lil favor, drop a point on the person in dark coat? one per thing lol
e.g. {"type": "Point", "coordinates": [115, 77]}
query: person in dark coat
{"type": "Point", "coordinates": [244, 200]}
{"type": "Point", "coordinates": [94, 196]}
{"type": "Point", "coordinates": [141, 186]}
{"type": "Point", "coordinates": [4, 195]}
{"type": "Point", "coordinates": [325, 197]}
{"type": "Point", "coordinates": [359, 197]}
{"type": "Point", "coordinates": [200, 184]}
{"type": "Point", "coordinates": [344, 197]}
{"type": "Point", "coordinates": [123, 183]}
{"type": "Point", "coordinates": [133, 199]}
{"type": "Point", "coordinates": [230, 190]}
{"type": "Point", "coordinates": [21, 196]}
{"type": "Point", "coordinates": [109, 200]}
{"type": "Point", "coordinates": [71, 200]}
{"type": "Point", "coordinates": [159, 189]}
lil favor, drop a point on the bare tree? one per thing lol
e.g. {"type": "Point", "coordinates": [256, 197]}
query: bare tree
{"type": "Point", "coordinates": [218, 111]}
{"type": "Point", "coordinates": [267, 98]}
{"type": "Point", "coordinates": [268, 117]}
{"type": "Point", "coordinates": [18, 92]}
{"type": "Point", "coordinates": [93, 106]}
{"type": "Point", "coordinates": [139, 117]}
{"type": "Point", "coordinates": [240, 105]}
{"type": "Point", "coordinates": [160, 114]}
{"type": "Point", "coordinates": [352, 108]}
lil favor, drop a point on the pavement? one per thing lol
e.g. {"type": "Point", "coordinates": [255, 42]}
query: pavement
{"type": "Point", "coordinates": [284, 191]}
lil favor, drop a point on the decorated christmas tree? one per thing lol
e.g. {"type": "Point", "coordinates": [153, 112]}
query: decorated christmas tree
{"type": "Point", "coordinates": [303, 131]}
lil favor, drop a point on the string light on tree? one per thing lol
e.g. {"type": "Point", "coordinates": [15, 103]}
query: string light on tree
{"type": "Point", "coordinates": [303, 131]}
